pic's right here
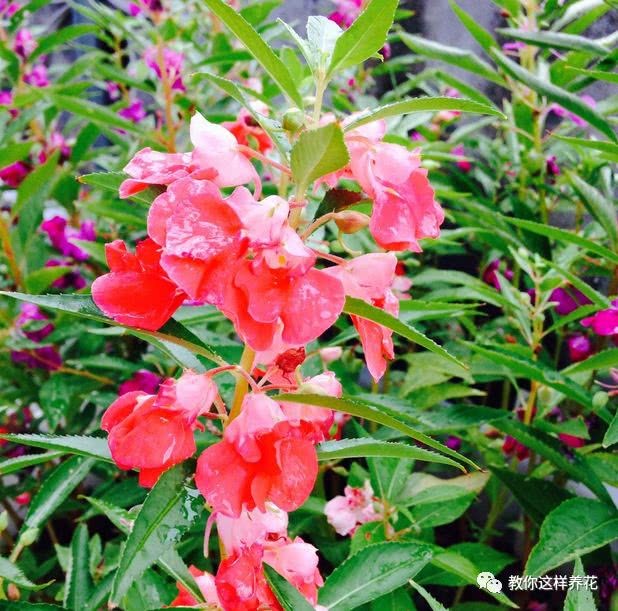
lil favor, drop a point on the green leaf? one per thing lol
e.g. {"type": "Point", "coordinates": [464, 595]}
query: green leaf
{"type": "Point", "coordinates": [270, 126]}
{"type": "Point", "coordinates": [564, 236]}
{"type": "Point", "coordinates": [168, 511]}
{"type": "Point", "coordinates": [82, 445]}
{"type": "Point", "coordinates": [375, 413]}
{"type": "Point", "coordinates": [601, 360]}
{"type": "Point", "coordinates": [365, 37]}
{"type": "Point", "coordinates": [574, 528]}
{"type": "Point", "coordinates": [253, 42]}
{"type": "Point", "coordinates": [555, 40]}
{"type": "Point", "coordinates": [603, 211]}
{"type": "Point", "coordinates": [426, 104]}
{"type": "Point", "coordinates": [14, 152]}
{"type": "Point", "coordinates": [318, 152]}
{"type": "Point", "coordinates": [609, 148]}
{"type": "Point", "coordinates": [111, 181]}
{"type": "Point", "coordinates": [40, 279]}
{"type": "Point", "coordinates": [465, 60]}
{"type": "Point", "coordinates": [611, 435]}
{"type": "Point", "coordinates": [353, 448]}
{"type": "Point", "coordinates": [10, 465]}
{"type": "Point", "coordinates": [172, 332]}
{"type": "Point", "coordinates": [374, 571]}
{"type": "Point", "coordinates": [287, 595]}
{"type": "Point", "coordinates": [358, 307]}
{"type": "Point", "coordinates": [63, 35]}
{"type": "Point", "coordinates": [434, 605]}
{"type": "Point", "coordinates": [480, 34]}
{"type": "Point", "coordinates": [537, 497]}
{"type": "Point", "coordinates": [78, 581]}
{"type": "Point", "coordinates": [599, 75]}
{"type": "Point", "coordinates": [550, 448]}
{"type": "Point", "coordinates": [13, 574]}
{"type": "Point", "coordinates": [55, 489]}
{"type": "Point", "coordinates": [579, 599]}
{"type": "Point", "coordinates": [95, 113]}
{"type": "Point", "coordinates": [556, 94]}
{"type": "Point", "coordinates": [439, 505]}
{"type": "Point", "coordinates": [533, 370]}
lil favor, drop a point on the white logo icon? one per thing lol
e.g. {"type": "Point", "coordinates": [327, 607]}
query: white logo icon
{"type": "Point", "coordinates": [487, 581]}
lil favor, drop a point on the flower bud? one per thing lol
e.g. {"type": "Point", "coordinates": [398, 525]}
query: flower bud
{"type": "Point", "coordinates": [600, 399]}
{"type": "Point", "coordinates": [29, 537]}
{"type": "Point", "coordinates": [4, 521]}
{"type": "Point", "coordinates": [328, 355]}
{"type": "Point", "coordinates": [350, 221]}
{"type": "Point", "coordinates": [293, 119]}
{"type": "Point", "coordinates": [13, 592]}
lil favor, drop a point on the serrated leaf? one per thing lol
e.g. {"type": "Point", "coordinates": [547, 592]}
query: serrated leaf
{"type": "Point", "coordinates": [18, 463]}
{"type": "Point", "coordinates": [574, 528]}
{"type": "Point", "coordinates": [353, 448]}
{"type": "Point", "coordinates": [374, 571]}
{"type": "Point", "coordinates": [78, 581]}
{"type": "Point", "coordinates": [111, 181]}
{"type": "Point", "coordinates": [55, 489]}
{"type": "Point", "coordinates": [287, 595]}
{"type": "Point", "coordinates": [611, 435]}
{"type": "Point", "coordinates": [361, 308]}
{"type": "Point", "coordinates": [318, 152]}
{"type": "Point", "coordinates": [260, 50]}
{"type": "Point", "coordinates": [172, 332]}
{"type": "Point", "coordinates": [365, 37]}
{"type": "Point", "coordinates": [425, 104]}
{"type": "Point", "coordinates": [82, 445]}
{"type": "Point", "coordinates": [380, 414]}
{"type": "Point", "coordinates": [168, 511]}
{"type": "Point", "coordinates": [579, 599]}
{"type": "Point", "coordinates": [13, 574]}
{"type": "Point", "coordinates": [554, 93]}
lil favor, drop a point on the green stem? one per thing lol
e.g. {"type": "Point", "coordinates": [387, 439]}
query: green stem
{"type": "Point", "coordinates": [242, 385]}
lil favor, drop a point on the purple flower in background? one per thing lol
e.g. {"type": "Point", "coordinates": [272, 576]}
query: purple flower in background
{"type": "Point", "coordinates": [24, 43]}
{"type": "Point", "coordinates": [6, 99]}
{"type": "Point", "coordinates": [551, 166]}
{"type": "Point", "coordinates": [454, 443]}
{"type": "Point", "coordinates": [37, 77]}
{"type": "Point", "coordinates": [113, 90]}
{"type": "Point", "coordinates": [72, 279]}
{"type": "Point", "coordinates": [135, 8]}
{"type": "Point", "coordinates": [56, 142]}
{"type": "Point", "coordinates": [60, 236]}
{"type": "Point", "coordinates": [8, 9]}
{"type": "Point", "coordinates": [346, 12]}
{"type": "Point", "coordinates": [604, 322]}
{"type": "Point", "coordinates": [386, 51]}
{"type": "Point", "coordinates": [568, 299]}
{"type": "Point", "coordinates": [463, 164]}
{"type": "Point", "coordinates": [144, 380]}
{"type": "Point", "coordinates": [13, 175]}
{"type": "Point", "coordinates": [172, 64]}
{"type": "Point", "coordinates": [135, 112]}
{"type": "Point", "coordinates": [563, 112]}
{"type": "Point", "coordinates": [46, 357]}
{"type": "Point", "coordinates": [513, 47]}
{"type": "Point", "coordinates": [30, 313]}
{"type": "Point", "coordinates": [580, 347]}
{"type": "Point", "coordinates": [490, 275]}
{"type": "Point", "coordinates": [30, 324]}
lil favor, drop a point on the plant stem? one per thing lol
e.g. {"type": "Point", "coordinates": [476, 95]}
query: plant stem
{"type": "Point", "coordinates": [9, 253]}
{"type": "Point", "coordinates": [242, 385]}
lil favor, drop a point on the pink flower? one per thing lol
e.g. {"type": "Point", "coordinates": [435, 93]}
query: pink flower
{"type": "Point", "coordinates": [6, 99]}
{"type": "Point", "coordinates": [347, 11]}
{"type": "Point", "coordinates": [247, 131]}
{"type": "Point", "coordinates": [206, 584]}
{"type": "Point", "coordinates": [8, 9]}
{"type": "Point", "coordinates": [30, 323]}
{"type": "Point", "coordinates": [200, 236]}
{"type": "Point", "coordinates": [113, 90]}
{"type": "Point", "coordinates": [154, 432]}
{"type": "Point", "coordinates": [261, 458]}
{"type": "Point", "coordinates": [369, 278]}
{"type": "Point", "coordinates": [330, 355]}
{"type": "Point", "coordinates": [568, 299]}
{"type": "Point", "coordinates": [37, 77]}
{"type": "Point", "coordinates": [136, 274]}
{"type": "Point", "coordinates": [171, 61]}
{"type": "Point", "coordinates": [463, 164]}
{"type": "Point", "coordinates": [356, 507]}
{"type": "Point", "coordinates": [135, 112]}
{"type": "Point", "coordinates": [143, 380]}
{"type": "Point", "coordinates": [490, 275]}
{"type": "Point", "coordinates": [24, 43]}
{"type": "Point", "coordinates": [604, 322]}
{"type": "Point", "coordinates": [580, 347]}
{"type": "Point", "coordinates": [551, 166]}
{"type": "Point", "coordinates": [571, 440]}
{"type": "Point", "coordinates": [261, 299]}
{"type": "Point", "coordinates": [14, 174]}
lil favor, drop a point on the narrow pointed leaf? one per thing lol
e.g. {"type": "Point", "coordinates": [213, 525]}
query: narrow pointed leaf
{"type": "Point", "coordinates": [78, 582]}
{"type": "Point", "coordinates": [287, 595]}
{"type": "Point", "coordinates": [82, 445]}
{"type": "Point", "coordinates": [13, 574]}
{"type": "Point", "coordinates": [556, 40]}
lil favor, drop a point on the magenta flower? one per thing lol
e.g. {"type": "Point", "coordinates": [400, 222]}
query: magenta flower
{"type": "Point", "coordinates": [8, 9]}
{"type": "Point", "coordinates": [143, 380]}
{"type": "Point", "coordinates": [46, 357]}
{"type": "Point", "coordinates": [346, 12]}
{"type": "Point", "coordinates": [135, 112]}
{"type": "Point", "coordinates": [563, 112]}
{"type": "Point", "coordinates": [31, 316]}
{"type": "Point", "coordinates": [172, 64]}
{"type": "Point", "coordinates": [60, 236]}
{"type": "Point", "coordinates": [604, 322]}
{"type": "Point", "coordinates": [513, 47]}
{"type": "Point", "coordinates": [72, 279]}
{"type": "Point", "coordinates": [113, 90]}
{"type": "Point", "coordinates": [24, 43]}
{"type": "Point", "coordinates": [55, 142]}
{"type": "Point", "coordinates": [463, 164]}
{"type": "Point", "coordinates": [13, 175]}
{"type": "Point", "coordinates": [579, 346]}
{"type": "Point", "coordinates": [551, 166]}
{"type": "Point", "coordinates": [490, 275]}
{"type": "Point", "coordinates": [568, 299]}
{"type": "Point", "coordinates": [37, 77]}
{"type": "Point", "coordinates": [31, 324]}
{"type": "Point", "coordinates": [135, 8]}
{"type": "Point", "coordinates": [6, 99]}
{"type": "Point", "coordinates": [454, 443]}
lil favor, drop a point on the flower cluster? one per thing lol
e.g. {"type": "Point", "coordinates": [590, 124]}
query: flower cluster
{"type": "Point", "coordinates": [251, 257]}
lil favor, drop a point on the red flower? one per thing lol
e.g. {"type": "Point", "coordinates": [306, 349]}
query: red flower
{"type": "Point", "coordinates": [261, 458]}
{"type": "Point", "coordinates": [206, 583]}
{"type": "Point", "coordinates": [136, 292]}
{"type": "Point", "coordinates": [154, 432]}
